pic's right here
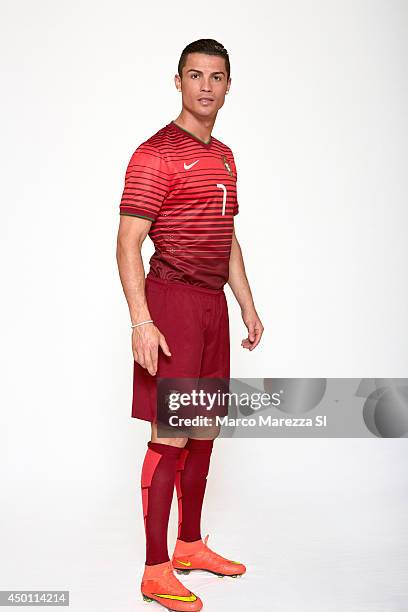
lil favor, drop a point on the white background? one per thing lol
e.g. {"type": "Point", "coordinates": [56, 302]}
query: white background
{"type": "Point", "coordinates": [317, 121]}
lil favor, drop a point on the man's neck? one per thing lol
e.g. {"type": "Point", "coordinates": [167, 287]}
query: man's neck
{"type": "Point", "coordinates": [201, 128]}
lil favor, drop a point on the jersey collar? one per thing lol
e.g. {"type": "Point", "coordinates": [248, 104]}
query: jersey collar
{"type": "Point", "coordinates": [187, 133]}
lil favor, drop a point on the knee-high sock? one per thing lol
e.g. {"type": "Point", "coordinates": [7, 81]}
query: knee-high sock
{"type": "Point", "coordinates": [157, 482]}
{"type": "Point", "coordinates": [191, 480]}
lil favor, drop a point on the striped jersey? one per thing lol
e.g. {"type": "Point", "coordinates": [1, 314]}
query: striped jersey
{"type": "Point", "coordinates": [188, 189]}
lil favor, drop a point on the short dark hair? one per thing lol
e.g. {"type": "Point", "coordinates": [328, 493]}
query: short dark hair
{"type": "Point", "coordinates": [209, 46]}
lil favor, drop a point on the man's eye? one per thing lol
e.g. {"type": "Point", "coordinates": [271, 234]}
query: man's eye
{"type": "Point", "coordinates": [194, 75]}
{"type": "Point", "coordinates": [217, 77]}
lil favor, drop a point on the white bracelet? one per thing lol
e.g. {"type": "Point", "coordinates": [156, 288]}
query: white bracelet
{"type": "Point", "coordinates": [142, 323]}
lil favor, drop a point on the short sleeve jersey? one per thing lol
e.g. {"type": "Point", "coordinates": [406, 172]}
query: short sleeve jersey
{"type": "Point", "coordinates": [188, 189]}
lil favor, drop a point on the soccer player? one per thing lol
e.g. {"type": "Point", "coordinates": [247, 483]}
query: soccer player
{"type": "Point", "coordinates": [181, 190]}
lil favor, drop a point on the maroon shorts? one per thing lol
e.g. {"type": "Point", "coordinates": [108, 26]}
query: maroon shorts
{"type": "Point", "coordinates": [195, 324]}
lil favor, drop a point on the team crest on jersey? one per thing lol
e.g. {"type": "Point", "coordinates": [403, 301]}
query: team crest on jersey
{"type": "Point", "coordinates": [227, 165]}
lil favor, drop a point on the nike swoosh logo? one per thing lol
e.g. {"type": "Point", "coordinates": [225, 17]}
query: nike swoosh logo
{"type": "Point", "coordinates": [187, 167]}
{"type": "Point", "coordinates": [190, 597]}
{"type": "Point", "coordinates": [184, 562]}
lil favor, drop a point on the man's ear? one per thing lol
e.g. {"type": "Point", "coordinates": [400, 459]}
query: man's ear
{"type": "Point", "coordinates": [177, 81]}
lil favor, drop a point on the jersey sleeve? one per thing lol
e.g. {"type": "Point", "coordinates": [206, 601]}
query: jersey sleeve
{"type": "Point", "coordinates": [146, 183]}
{"type": "Point", "coordinates": [235, 209]}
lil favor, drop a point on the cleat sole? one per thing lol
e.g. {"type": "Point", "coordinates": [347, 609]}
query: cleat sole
{"type": "Point", "coordinates": [146, 598]}
{"type": "Point", "coordinates": [202, 569]}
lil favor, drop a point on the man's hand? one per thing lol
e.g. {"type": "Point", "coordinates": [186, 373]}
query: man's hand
{"type": "Point", "coordinates": [146, 340]}
{"type": "Point", "coordinates": [255, 329]}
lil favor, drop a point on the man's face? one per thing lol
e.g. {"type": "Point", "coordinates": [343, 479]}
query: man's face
{"type": "Point", "coordinates": [203, 84]}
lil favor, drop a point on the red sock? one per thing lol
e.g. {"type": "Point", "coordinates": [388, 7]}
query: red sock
{"type": "Point", "coordinates": [191, 480]}
{"type": "Point", "coordinates": [157, 482]}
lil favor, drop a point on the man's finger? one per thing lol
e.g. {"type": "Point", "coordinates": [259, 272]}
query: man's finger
{"type": "Point", "coordinates": [148, 361]}
{"type": "Point", "coordinates": [154, 357]}
{"type": "Point", "coordinates": [258, 334]}
{"type": "Point", "coordinates": [164, 346]}
{"type": "Point", "coordinates": [251, 332]}
{"type": "Point", "coordinates": [136, 355]}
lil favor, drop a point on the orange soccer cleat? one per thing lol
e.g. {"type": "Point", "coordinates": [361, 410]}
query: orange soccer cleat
{"type": "Point", "coordinates": [190, 556]}
{"type": "Point", "coordinates": [160, 584]}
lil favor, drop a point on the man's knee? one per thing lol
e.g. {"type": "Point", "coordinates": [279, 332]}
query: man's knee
{"type": "Point", "coordinates": [179, 442]}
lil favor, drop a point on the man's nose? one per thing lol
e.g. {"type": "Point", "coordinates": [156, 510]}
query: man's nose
{"type": "Point", "coordinates": [206, 84]}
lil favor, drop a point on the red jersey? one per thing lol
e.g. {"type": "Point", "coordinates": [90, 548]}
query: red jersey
{"type": "Point", "coordinates": [188, 189]}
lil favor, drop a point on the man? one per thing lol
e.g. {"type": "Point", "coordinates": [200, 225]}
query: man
{"type": "Point", "coordinates": [180, 188]}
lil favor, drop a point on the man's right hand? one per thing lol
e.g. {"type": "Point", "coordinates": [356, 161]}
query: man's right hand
{"type": "Point", "coordinates": [146, 340]}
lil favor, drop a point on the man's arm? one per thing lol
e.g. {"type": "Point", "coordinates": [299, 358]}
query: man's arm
{"type": "Point", "coordinates": [240, 287]}
{"type": "Point", "coordinates": [147, 338]}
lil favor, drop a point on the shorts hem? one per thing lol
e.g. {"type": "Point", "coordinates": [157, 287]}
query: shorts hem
{"type": "Point", "coordinates": [163, 281]}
